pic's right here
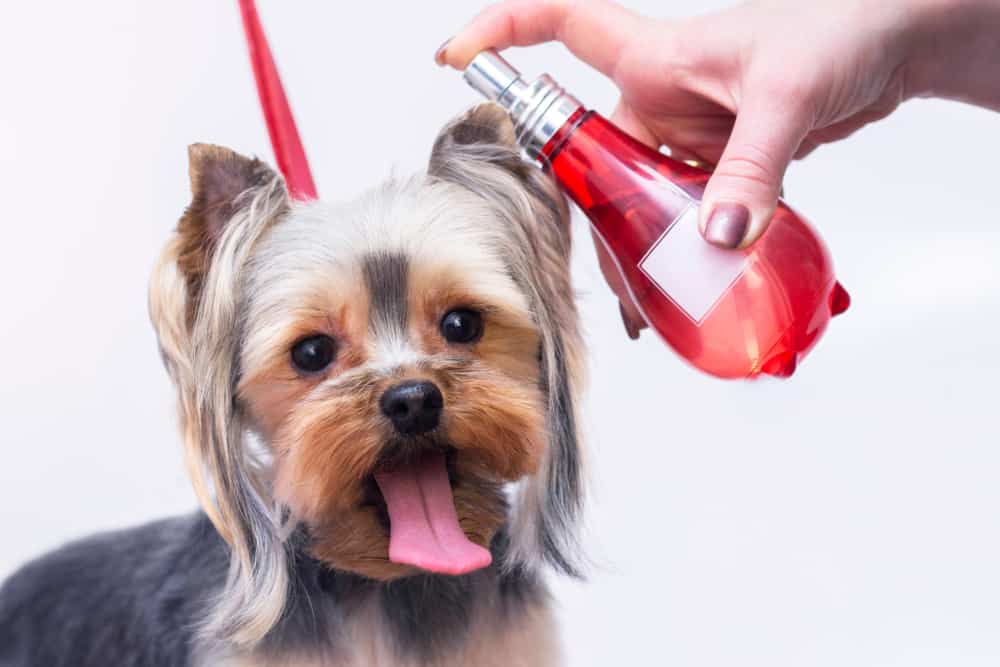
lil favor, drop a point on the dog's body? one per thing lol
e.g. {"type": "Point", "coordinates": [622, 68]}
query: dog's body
{"type": "Point", "coordinates": [134, 597]}
{"type": "Point", "coordinates": [378, 408]}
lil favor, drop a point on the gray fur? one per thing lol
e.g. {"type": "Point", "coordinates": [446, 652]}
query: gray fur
{"type": "Point", "coordinates": [385, 277]}
{"type": "Point", "coordinates": [565, 498]}
{"type": "Point", "coordinates": [136, 597]}
{"type": "Point", "coordinates": [132, 597]}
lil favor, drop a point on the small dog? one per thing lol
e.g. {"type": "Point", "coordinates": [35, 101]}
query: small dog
{"type": "Point", "coordinates": [378, 404]}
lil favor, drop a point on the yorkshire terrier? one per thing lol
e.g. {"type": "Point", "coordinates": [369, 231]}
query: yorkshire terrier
{"type": "Point", "coordinates": [378, 405]}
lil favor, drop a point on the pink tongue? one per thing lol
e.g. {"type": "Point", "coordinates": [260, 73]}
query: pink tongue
{"type": "Point", "coordinates": [423, 525]}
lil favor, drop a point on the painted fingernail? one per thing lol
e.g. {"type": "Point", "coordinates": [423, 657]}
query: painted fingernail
{"type": "Point", "coordinates": [728, 225]}
{"type": "Point", "coordinates": [442, 51]}
{"type": "Point", "coordinates": [630, 328]}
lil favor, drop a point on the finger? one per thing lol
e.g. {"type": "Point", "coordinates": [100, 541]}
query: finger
{"type": "Point", "coordinates": [630, 315]}
{"type": "Point", "coordinates": [807, 147]}
{"type": "Point", "coordinates": [595, 32]}
{"type": "Point", "coordinates": [633, 325]}
{"type": "Point", "coordinates": [625, 118]}
{"type": "Point", "coordinates": [742, 194]}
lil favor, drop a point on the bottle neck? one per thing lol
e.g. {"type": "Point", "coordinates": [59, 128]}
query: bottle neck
{"type": "Point", "coordinates": [538, 109]}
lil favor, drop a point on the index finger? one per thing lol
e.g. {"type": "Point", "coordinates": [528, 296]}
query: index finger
{"type": "Point", "coordinates": [595, 32]}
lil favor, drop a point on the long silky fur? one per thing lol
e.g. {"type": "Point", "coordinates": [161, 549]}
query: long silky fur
{"type": "Point", "coordinates": [479, 152]}
{"type": "Point", "coordinates": [229, 478]}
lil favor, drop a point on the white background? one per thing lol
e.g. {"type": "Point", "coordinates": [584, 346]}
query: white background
{"type": "Point", "coordinates": [849, 516]}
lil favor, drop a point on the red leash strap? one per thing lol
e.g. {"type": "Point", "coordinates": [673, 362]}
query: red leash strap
{"type": "Point", "coordinates": [285, 141]}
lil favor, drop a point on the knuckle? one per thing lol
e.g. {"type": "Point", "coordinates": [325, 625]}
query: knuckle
{"type": "Point", "coordinates": [752, 166]}
{"type": "Point", "coordinates": [793, 94]}
{"type": "Point", "coordinates": [489, 14]}
{"type": "Point", "coordinates": [785, 87]}
{"type": "Point", "coordinates": [494, 8]}
{"type": "Point", "coordinates": [788, 88]}
{"type": "Point", "coordinates": [562, 11]}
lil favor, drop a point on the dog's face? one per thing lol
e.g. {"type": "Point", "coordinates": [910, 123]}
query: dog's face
{"type": "Point", "coordinates": [389, 336]}
{"type": "Point", "coordinates": [400, 359]}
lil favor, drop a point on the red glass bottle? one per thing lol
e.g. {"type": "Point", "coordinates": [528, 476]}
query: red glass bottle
{"type": "Point", "coordinates": [730, 313]}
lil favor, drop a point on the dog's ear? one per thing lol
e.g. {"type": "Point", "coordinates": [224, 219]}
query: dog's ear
{"type": "Point", "coordinates": [479, 152]}
{"type": "Point", "coordinates": [481, 126]}
{"type": "Point", "coordinates": [221, 184]}
{"type": "Point", "coordinates": [224, 186]}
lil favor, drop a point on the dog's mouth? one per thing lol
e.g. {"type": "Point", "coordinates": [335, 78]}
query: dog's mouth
{"type": "Point", "coordinates": [413, 496]}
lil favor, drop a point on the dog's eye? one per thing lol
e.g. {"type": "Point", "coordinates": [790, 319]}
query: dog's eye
{"type": "Point", "coordinates": [314, 353]}
{"type": "Point", "coordinates": [462, 326]}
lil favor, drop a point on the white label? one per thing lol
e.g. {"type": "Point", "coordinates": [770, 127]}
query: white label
{"type": "Point", "coordinates": [692, 273]}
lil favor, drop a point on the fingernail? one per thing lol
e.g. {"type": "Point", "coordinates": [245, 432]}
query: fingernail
{"type": "Point", "coordinates": [727, 225]}
{"type": "Point", "coordinates": [441, 52]}
{"type": "Point", "coordinates": [630, 328]}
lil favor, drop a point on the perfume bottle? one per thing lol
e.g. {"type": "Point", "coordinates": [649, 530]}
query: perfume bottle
{"type": "Point", "coordinates": [730, 313]}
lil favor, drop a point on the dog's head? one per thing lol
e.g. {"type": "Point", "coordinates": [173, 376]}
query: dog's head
{"type": "Point", "coordinates": [396, 374]}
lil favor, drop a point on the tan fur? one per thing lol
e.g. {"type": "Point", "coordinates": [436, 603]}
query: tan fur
{"type": "Point", "coordinates": [272, 387]}
{"type": "Point", "coordinates": [327, 449]}
{"type": "Point", "coordinates": [510, 339]}
{"type": "Point", "coordinates": [327, 434]}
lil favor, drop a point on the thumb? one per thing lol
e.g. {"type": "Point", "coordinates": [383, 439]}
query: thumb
{"type": "Point", "coordinates": [742, 194]}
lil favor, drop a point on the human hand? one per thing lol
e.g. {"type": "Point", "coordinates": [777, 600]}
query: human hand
{"type": "Point", "coordinates": [748, 89]}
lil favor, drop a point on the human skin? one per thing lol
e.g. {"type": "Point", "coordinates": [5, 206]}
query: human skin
{"type": "Point", "coordinates": [750, 88]}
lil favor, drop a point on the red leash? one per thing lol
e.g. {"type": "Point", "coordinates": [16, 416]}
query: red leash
{"type": "Point", "coordinates": [285, 141]}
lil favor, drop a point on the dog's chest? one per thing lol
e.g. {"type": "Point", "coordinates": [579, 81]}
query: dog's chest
{"type": "Point", "coordinates": [529, 640]}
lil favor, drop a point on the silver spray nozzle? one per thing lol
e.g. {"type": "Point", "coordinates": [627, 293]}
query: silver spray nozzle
{"type": "Point", "coordinates": [538, 109]}
{"type": "Point", "coordinates": [492, 76]}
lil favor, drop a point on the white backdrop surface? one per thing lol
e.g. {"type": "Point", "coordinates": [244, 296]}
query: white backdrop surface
{"type": "Point", "coordinates": [850, 516]}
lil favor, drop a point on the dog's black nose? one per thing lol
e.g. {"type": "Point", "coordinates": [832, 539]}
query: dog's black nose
{"type": "Point", "coordinates": [414, 407]}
